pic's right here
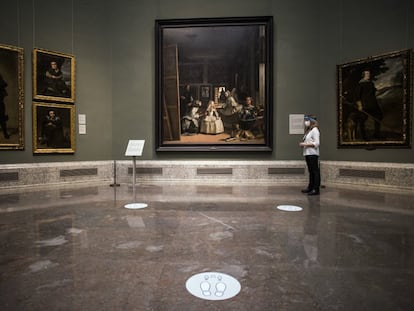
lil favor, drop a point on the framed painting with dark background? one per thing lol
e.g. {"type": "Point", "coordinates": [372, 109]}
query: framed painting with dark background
{"type": "Point", "coordinates": [53, 76]}
{"type": "Point", "coordinates": [11, 98]}
{"type": "Point", "coordinates": [375, 101]}
{"type": "Point", "coordinates": [205, 71]}
{"type": "Point", "coordinates": [53, 128]}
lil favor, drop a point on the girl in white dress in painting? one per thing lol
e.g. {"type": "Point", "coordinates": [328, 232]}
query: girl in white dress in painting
{"type": "Point", "coordinates": [212, 123]}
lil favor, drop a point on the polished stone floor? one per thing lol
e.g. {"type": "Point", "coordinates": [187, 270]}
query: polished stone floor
{"type": "Point", "coordinates": [78, 248]}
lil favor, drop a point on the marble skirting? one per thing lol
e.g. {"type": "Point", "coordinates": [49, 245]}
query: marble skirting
{"type": "Point", "coordinates": [54, 173]}
{"type": "Point", "coordinates": [376, 176]}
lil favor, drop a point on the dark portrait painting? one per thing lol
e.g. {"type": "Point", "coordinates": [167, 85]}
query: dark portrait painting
{"type": "Point", "coordinates": [375, 101]}
{"type": "Point", "coordinates": [214, 84]}
{"type": "Point", "coordinates": [53, 128]}
{"type": "Point", "coordinates": [11, 98]}
{"type": "Point", "coordinates": [53, 76]}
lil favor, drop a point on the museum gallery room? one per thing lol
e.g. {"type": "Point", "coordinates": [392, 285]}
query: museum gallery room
{"type": "Point", "coordinates": [206, 155]}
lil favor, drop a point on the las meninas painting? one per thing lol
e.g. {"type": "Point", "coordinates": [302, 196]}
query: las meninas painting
{"type": "Point", "coordinates": [213, 84]}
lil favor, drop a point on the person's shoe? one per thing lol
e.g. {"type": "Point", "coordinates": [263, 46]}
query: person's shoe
{"type": "Point", "coordinates": [307, 190]}
{"type": "Point", "coordinates": [313, 192]}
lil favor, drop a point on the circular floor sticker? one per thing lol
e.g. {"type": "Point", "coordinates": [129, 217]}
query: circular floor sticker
{"type": "Point", "coordinates": [136, 205]}
{"type": "Point", "coordinates": [213, 286]}
{"type": "Point", "coordinates": [289, 208]}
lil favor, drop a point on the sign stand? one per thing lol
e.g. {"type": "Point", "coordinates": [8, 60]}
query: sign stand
{"type": "Point", "coordinates": [134, 149]}
{"type": "Point", "coordinates": [114, 184]}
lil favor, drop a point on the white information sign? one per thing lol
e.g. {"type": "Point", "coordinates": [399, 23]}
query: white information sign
{"type": "Point", "coordinates": [135, 148]}
{"type": "Point", "coordinates": [296, 124]}
{"type": "Point", "coordinates": [82, 118]}
{"type": "Point", "coordinates": [82, 129]}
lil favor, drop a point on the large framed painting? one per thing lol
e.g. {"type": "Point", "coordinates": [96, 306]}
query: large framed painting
{"type": "Point", "coordinates": [375, 101]}
{"type": "Point", "coordinates": [11, 98]}
{"type": "Point", "coordinates": [53, 128]}
{"type": "Point", "coordinates": [53, 76]}
{"type": "Point", "coordinates": [214, 84]}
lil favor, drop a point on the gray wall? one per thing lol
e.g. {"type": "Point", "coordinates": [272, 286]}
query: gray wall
{"type": "Point", "coordinates": [113, 43]}
{"type": "Point", "coordinates": [351, 30]}
{"type": "Point", "coordinates": [79, 28]}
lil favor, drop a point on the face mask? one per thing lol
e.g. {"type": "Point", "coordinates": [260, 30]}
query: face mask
{"type": "Point", "coordinates": [307, 123]}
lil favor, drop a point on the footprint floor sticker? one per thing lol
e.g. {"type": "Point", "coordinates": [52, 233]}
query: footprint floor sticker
{"type": "Point", "coordinates": [213, 286]}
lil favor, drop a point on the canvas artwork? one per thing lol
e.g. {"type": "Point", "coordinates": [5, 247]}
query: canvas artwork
{"type": "Point", "coordinates": [11, 98]}
{"type": "Point", "coordinates": [214, 84]}
{"type": "Point", "coordinates": [375, 101]}
{"type": "Point", "coordinates": [53, 128]}
{"type": "Point", "coordinates": [53, 76]}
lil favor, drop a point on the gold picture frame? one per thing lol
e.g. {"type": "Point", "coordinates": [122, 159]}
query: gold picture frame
{"type": "Point", "coordinates": [53, 76]}
{"type": "Point", "coordinates": [53, 128]}
{"type": "Point", "coordinates": [375, 101]}
{"type": "Point", "coordinates": [11, 98]}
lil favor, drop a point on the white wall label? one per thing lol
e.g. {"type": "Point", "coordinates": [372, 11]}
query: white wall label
{"type": "Point", "coordinates": [296, 124]}
{"type": "Point", "coordinates": [82, 129]}
{"type": "Point", "coordinates": [82, 118]}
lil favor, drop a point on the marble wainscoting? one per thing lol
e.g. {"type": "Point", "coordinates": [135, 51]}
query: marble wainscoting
{"type": "Point", "coordinates": [370, 175]}
{"type": "Point", "coordinates": [220, 172]}
{"type": "Point", "coordinates": [55, 173]}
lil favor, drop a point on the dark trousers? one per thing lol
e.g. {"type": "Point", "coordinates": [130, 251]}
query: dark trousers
{"type": "Point", "coordinates": [312, 161]}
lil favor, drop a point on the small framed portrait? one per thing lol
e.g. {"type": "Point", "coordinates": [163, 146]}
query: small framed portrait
{"type": "Point", "coordinates": [205, 92]}
{"type": "Point", "coordinates": [53, 128]}
{"type": "Point", "coordinates": [214, 84]}
{"type": "Point", "coordinates": [53, 76]}
{"type": "Point", "coordinates": [375, 101]}
{"type": "Point", "coordinates": [11, 98]}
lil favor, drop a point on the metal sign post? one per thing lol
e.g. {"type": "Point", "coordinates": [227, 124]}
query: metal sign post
{"type": "Point", "coordinates": [134, 149]}
{"type": "Point", "coordinates": [114, 184]}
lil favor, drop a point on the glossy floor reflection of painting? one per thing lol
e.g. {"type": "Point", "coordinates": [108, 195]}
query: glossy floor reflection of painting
{"type": "Point", "coordinates": [79, 248]}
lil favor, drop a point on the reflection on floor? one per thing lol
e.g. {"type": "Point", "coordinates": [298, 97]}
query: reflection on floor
{"type": "Point", "coordinates": [80, 249]}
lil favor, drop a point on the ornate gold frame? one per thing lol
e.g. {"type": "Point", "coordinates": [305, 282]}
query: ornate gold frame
{"type": "Point", "coordinates": [62, 143]}
{"type": "Point", "coordinates": [12, 70]}
{"type": "Point", "coordinates": [41, 62]}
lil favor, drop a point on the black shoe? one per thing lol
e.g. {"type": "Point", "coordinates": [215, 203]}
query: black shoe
{"type": "Point", "coordinates": [313, 192]}
{"type": "Point", "coordinates": [307, 190]}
